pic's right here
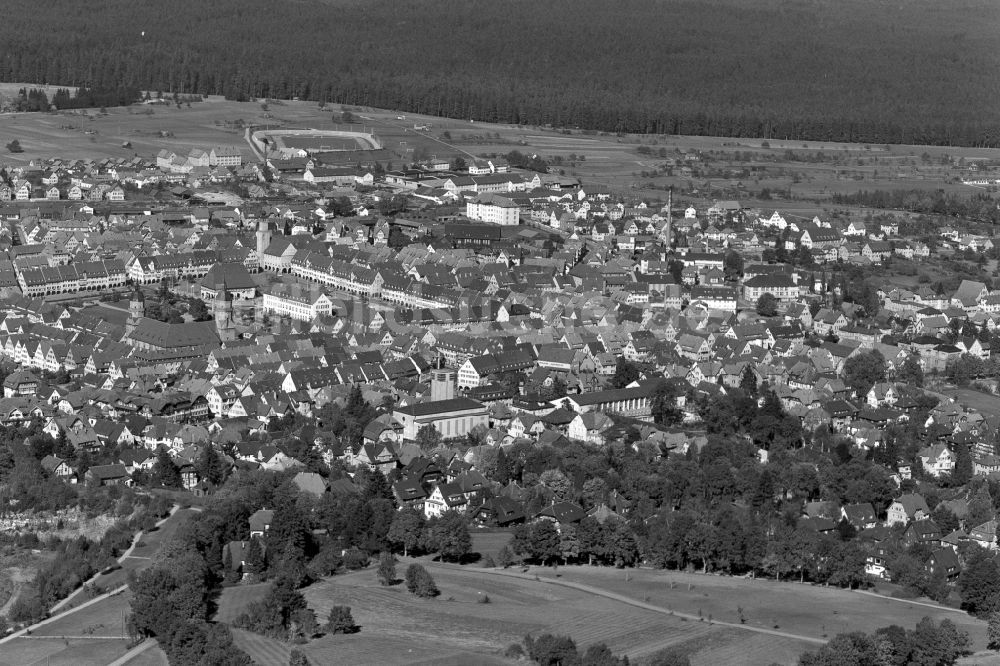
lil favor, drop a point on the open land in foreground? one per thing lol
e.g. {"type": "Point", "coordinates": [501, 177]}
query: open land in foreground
{"type": "Point", "coordinates": [398, 628]}
{"type": "Point", "coordinates": [807, 610]}
{"type": "Point", "coordinates": [636, 612]}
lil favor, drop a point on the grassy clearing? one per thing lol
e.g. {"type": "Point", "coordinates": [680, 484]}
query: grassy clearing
{"type": "Point", "coordinates": [154, 656]}
{"type": "Point", "coordinates": [489, 543]}
{"type": "Point", "coordinates": [151, 541]}
{"type": "Point", "coordinates": [101, 619]}
{"type": "Point", "coordinates": [741, 648]}
{"type": "Point", "coordinates": [807, 610]}
{"type": "Point", "coordinates": [988, 405]}
{"type": "Point", "coordinates": [983, 658]}
{"type": "Point", "coordinates": [397, 628]}
{"type": "Point", "coordinates": [264, 651]}
{"type": "Point", "coordinates": [233, 600]}
{"type": "Point", "coordinates": [59, 652]}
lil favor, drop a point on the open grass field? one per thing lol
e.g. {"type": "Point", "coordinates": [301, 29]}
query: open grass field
{"type": "Point", "coordinates": [981, 658]}
{"type": "Point", "coordinates": [151, 541]}
{"type": "Point", "coordinates": [489, 543]}
{"type": "Point", "coordinates": [61, 652]}
{"type": "Point", "coordinates": [799, 609]}
{"type": "Point", "coordinates": [988, 405]}
{"type": "Point", "coordinates": [100, 619]}
{"type": "Point", "coordinates": [154, 656]}
{"type": "Point", "coordinates": [92, 636]}
{"type": "Point", "coordinates": [397, 628]}
{"type": "Point", "coordinates": [322, 143]}
{"type": "Point", "coordinates": [233, 600]}
{"type": "Point", "coordinates": [457, 628]}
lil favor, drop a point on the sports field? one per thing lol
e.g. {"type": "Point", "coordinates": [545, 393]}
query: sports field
{"type": "Point", "coordinates": [321, 143]}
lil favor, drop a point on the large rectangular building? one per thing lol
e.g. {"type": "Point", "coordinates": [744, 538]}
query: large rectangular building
{"type": "Point", "coordinates": [494, 209]}
{"type": "Point", "coordinates": [634, 402]}
{"type": "Point", "coordinates": [300, 304]}
{"type": "Point", "coordinates": [452, 418]}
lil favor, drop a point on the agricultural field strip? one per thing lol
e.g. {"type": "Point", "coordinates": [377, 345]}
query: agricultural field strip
{"type": "Point", "coordinates": [104, 618]}
{"type": "Point", "coordinates": [265, 651]}
{"type": "Point", "coordinates": [641, 604]}
{"type": "Point", "coordinates": [20, 633]}
{"type": "Point", "coordinates": [460, 628]}
{"type": "Point", "coordinates": [799, 609]}
{"type": "Point", "coordinates": [60, 652]}
{"type": "Point", "coordinates": [911, 602]}
{"type": "Point", "coordinates": [134, 652]}
{"type": "Point", "coordinates": [73, 638]}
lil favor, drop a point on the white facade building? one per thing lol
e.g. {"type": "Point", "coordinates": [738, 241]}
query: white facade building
{"type": "Point", "coordinates": [494, 209]}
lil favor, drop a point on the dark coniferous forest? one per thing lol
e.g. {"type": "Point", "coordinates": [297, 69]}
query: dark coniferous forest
{"type": "Point", "coordinates": [908, 71]}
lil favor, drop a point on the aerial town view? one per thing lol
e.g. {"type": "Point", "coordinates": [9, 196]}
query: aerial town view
{"type": "Point", "coordinates": [575, 333]}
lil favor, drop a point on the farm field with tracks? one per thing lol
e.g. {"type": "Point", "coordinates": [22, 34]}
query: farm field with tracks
{"type": "Point", "coordinates": [458, 628]}
{"type": "Point", "coordinates": [805, 610]}
{"type": "Point", "coordinates": [649, 611]}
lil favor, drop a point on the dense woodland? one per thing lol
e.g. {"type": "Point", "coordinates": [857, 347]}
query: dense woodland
{"type": "Point", "coordinates": [922, 72]}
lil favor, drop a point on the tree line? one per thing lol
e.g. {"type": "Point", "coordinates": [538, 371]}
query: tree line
{"type": "Point", "coordinates": [928, 643]}
{"type": "Point", "coordinates": [980, 208]}
{"type": "Point", "coordinates": [721, 69]}
{"type": "Point", "coordinates": [36, 99]}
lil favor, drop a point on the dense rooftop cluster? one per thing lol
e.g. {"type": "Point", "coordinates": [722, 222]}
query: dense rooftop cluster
{"type": "Point", "coordinates": [686, 384]}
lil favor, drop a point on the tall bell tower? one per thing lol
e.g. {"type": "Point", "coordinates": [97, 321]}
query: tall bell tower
{"type": "Point", "coordinates": [136, 311]}
{"type": "Point", "coordinates": [263, 237]}
{"type": "Point", "coordinates": [668, 229]}
{"type": "Point", "coordinates": [222, 311]}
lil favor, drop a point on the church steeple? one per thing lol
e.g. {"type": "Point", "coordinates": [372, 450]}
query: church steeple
{"type": "Point", "coordinates": [263, 237]}
{"type": "Point", "coordinates": [136, 311]}
{"type": "Point", "coordinates": [222, 309]}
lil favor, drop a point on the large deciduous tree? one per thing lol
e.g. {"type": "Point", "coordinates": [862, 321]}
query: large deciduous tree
{"type": "Point", "coordinates": [165, 471]}
{"type": "Point", "coordinates": [767, 305]}
{"type": "Point", "coordinates": [864, 370]}
{"type": "Point", "coordinates": [626, 372]}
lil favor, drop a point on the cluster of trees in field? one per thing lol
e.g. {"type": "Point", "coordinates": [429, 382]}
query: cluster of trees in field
{"type": "Point", "coordinates": [980, 208]}
{"type": "Point", "coordinates": [552, 649]}
{"type": "Point", "coordinates": [849, 71]}
{"type": "Point", "coordinates": [36, 99]}
{"type": "Point", "coordinates": [928, 643]}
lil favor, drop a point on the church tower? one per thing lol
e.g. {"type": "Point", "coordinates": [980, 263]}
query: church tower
{"type": "Point", "coordinates": [222, 310]}
{"type": "Point", "coordinates": [670, 218]}
{"type": "Point", "coordinates": [136, 311]}
{"type": "Point", "coordinates": [263, 237]}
